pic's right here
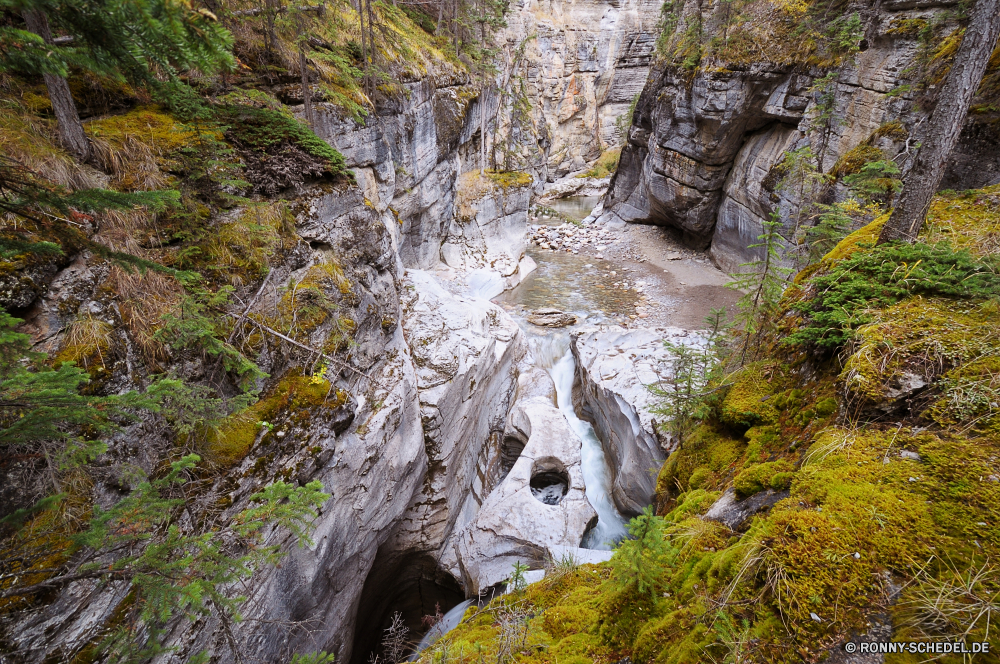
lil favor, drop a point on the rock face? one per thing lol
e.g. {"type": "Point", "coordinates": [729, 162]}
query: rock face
{"type": "Point", "coordinates": [428, 379]}
{"type": "Point", "coordinates": [585, 61]}
{"type": "Point", "coordinates": [466, 352]}
{"type": "Point", "coordinates": [487, 236]}
{"type": "Point", "coordinates": [372, 463]}
{"type": "Point", "coordinates": [513, 525]}
{"type": "Point", "coordinates": [615, 366]}
{"type": "Point", "coordinates": [703, 151]}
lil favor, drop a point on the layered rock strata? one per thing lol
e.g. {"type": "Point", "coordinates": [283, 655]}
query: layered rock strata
{"type": "Point", "coordinates": [704, 149]}
{"type": "Point", "coordinates": [583, 64]}
{"type": "Point", "coordinates": [617, 368]}
{"type": "Point", "coordinates": [487, 234]}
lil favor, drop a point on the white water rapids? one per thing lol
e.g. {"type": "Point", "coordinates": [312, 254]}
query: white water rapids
{"type": "Point", "coordinates": [552, 354]}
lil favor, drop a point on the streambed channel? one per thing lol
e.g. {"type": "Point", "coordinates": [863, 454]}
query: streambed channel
{"type": "Point", "coordinates": [631, 272]}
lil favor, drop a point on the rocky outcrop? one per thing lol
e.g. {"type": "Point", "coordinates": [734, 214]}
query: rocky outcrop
{"type": "Point", "coordinates": [372, 463]}
{"type": "Point", "coordinates": [405, 457]}
{"type": "Point", "coordinates": [585, 61]}
{"type": "Point", "coordinates": [513, 525]}
{"type": "Point", "coordinates": [616, 367]}
{"type": "Point", "coordinates": [407, 161]}
{"type": "Point", "coordinates": [487, 235]}
{"type": "Point", "coordinates": [735, 514]}
{"type": "Point", "coordinates": [703, 152]}
{"type": "Point", "coordinates": [466, 352]}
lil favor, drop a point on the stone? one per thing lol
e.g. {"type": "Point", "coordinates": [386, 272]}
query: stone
{"type": "Point", "coordinates": [704, 150]}
{"type": "Point", "coordinates": [587, 60]}
{"type": "Point", "coordinates": [735, 514]}
{"type": "Point", "coordinates": [513, 525]}
{"type": "Point", "coordinates": [466, 351]}
{"type": "Point", "coordinates": [615, 365]}
{"type": "Point", "coordinates": [551, 318]}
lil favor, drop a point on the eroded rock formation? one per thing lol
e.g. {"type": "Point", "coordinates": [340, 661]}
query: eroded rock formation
{"type": "Point", "coordinates": [703, 152]}
{"type": "Point", "coordinates": [616, 369]}
{"type": "Point", "coordinates": [584, 62]}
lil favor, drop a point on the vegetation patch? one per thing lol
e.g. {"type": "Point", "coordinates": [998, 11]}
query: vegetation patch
{"type": "Point", "coordinates": [605, 165]}
{"type": "Point", "coordinates": [293, 398]}
{"type": "Point", "coordinates": [919, 339]}
{"type": "Point", "coordinates": [846, 294]}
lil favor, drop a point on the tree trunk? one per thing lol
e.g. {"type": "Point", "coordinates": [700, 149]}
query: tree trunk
{"type": "Point", "coordinates": [371, 45]}
{"type": "Point", "coordinates": [364, 47]}
{"type": "Point", "coordinates": [70, 128]}
{"type": "Point", "coordinates": [437, 28]}
{"type": "Point", "coordinates": [945, 123]}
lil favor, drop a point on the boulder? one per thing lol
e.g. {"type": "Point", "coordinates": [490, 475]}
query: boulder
{"type": "Point", "coordinates": [734, 514]}
{"type": "Point", "coordinates": [551, 318]}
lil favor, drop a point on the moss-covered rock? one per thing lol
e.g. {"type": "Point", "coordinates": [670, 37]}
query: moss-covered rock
{"type": "Point", "coordinates": [747, 402]}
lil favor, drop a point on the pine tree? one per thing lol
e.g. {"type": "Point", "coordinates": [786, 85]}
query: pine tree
{"type": "Point", "coordinates": [171, 570]}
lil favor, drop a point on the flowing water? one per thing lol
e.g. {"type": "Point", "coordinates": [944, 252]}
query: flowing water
{"type": "Point", "coordinates": [597, 476]}
{"type": "Point", "coordinates": [575, 284]}
{"type": "Point", "coordinates": [446, 624]}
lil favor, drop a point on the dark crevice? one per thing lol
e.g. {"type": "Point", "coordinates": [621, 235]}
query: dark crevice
{"type": "Point", "coordinates": [410, 583]}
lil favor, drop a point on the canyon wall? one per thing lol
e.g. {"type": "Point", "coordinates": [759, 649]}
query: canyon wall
{"type": "Point", "coordinates": [706, 144]}
{"type": "Point", "coordinates": [422, 390]}
{"type": "Point", "coordinates": [583, 63]}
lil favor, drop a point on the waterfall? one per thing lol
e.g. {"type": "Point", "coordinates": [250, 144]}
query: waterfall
{"type": "Point", "coordinates": [446, 624]}
{"type": "Point", "coordinates": [610, 526]}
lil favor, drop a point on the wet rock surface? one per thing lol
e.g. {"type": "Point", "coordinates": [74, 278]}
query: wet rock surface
{"type": "Point", "coordinates": [551, 318]}
{"type": "Point", "coordinates": [616, 366]}
{"type": "Point", "coordinates": [513, 525]}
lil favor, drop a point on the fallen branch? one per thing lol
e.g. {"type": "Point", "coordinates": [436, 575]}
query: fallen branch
{"type": "Point", "coordinates": [253, 301]}
{"type": "Point", "coordinates": [303, 346]}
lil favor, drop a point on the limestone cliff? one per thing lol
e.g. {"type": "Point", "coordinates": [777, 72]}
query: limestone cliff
{"type": "Point", "coordinates": [736, 88]}
{"type": "Point", "coordinates": [583, 63]}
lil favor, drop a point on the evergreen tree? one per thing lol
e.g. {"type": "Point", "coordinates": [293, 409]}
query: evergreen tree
{"type": "Point", "coordinates": [172, 570]}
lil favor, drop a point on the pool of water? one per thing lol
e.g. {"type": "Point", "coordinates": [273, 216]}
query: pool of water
{"type": "Point", "coordinates": [582, 285]}
{"type": "Point", "coordinates": [573, 207]}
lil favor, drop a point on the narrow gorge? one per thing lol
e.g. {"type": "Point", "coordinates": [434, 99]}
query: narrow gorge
{"type": "Point", "coordinates": [474, 333]}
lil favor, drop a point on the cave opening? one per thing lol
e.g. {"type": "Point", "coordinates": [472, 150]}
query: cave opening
{"type": "Point", "coordinates": [412, 585]}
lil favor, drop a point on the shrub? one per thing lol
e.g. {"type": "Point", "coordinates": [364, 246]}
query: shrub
{"type": "Point", "coordinates": [846, 294]}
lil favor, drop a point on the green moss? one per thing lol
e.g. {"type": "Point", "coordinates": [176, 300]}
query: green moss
{"type": "Point", "coordinates": [967, 220]}
{"type": "Point", "coordinates": [560, 621]}
{"type": "Point", "coordinates": [242, 250]}
{"type": "Point", "coordinates": [263, 130]}
{"type": "Point", "coordinates": [700, 478]}
{"type": "Point", "coordinates": [293, 396]}
{"type": "Point", "coordinates": [605, 165]}
{"type": "Point", "coordinates": [852, 161]}
{"type": "Point", "coordinates": [692, 503]}
{"type": "Point", "coordinates": [919, 337]}
{"type": "Point", "coordinates": [755, 479]}
{"type": "Point", "coordinates": [510, 179]}
{"type": "Point", "coordinates": [747, 402]}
